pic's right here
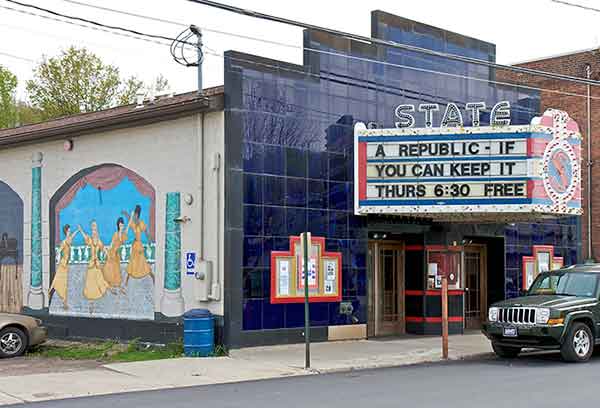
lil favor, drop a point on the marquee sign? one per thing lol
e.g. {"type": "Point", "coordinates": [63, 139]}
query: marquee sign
{"type": "Point", "coordinates": [469, 173]}
{"type": "Point", "coordinates": [324, 273]}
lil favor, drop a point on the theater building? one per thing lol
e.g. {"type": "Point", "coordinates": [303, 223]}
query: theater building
{"type": "Point", "coordinates": [403, 166]}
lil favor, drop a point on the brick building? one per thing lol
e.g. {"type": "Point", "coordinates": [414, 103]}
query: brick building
{"type": "Point", "coordinates": [573, 98]}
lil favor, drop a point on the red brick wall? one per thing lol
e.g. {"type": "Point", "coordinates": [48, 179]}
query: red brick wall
{"type": "Point", "coordinates": [576, 107]}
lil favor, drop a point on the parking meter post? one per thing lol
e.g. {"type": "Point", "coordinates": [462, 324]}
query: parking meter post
{"type": "Point", "coordinates": [445, 317]}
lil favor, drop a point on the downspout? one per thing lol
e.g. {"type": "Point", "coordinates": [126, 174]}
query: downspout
{"type": "Point", "coordinates": [215, 292]}
{"type": "Point", "coordinates": [589, 164]}
{"type": "Point", "coordinates": [201, 192]}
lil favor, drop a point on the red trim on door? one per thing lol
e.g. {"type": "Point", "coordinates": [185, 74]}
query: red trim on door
{"type": "Point", "coordinates": [414, 247]}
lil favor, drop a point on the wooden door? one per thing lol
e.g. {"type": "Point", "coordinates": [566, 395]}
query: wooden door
{"type": "Point", "coordinates": [389, 288]}
{"type": "Point", "coordinates": [475, 279]}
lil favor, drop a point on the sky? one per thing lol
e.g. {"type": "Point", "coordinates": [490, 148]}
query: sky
{"type": "Point", "coordinates": [521, 29]}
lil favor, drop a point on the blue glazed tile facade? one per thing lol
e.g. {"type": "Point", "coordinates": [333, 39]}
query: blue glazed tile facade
{"type": "Point", "coordinates": [294, 128]}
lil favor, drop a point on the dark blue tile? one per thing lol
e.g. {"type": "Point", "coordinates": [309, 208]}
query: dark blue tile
{"type": "Point", "coordinates": [317, 194]}
{"type": "Point", "coordinates": [253, 189]}
{"type": "Point", "coordinates": [274, 191]}
{"type": "Point", "coordinates": [337, 167]}
{"type": "Point", "coordinates": [358, 254]}
{"type": "Point", "coordinates": [333, 245]}
{"type": "Point", "coordinates": [253, 252]}
{"type": "Point", "coordinates": [361, 282]}
{"type": "Point", "coordinates": [318, 222]}
{"type": "Point", "coordinates": [273, 244]}
{"type": "Point", "coordinates": [252, 314]}
{"type": "Point", "coordinates": [294, 315]}
{"type": "Point", "coordinates": [338, 196]}
{"type": "Point", "coordinates": [253, 220]}
{"type": "Point", "coordinates": [274, 160]}
{"type": "Point", "coordinates": [338, 224]}
{"type": "Point", "coordinates": [318, 165]}
{"type": "Point", "coordinates": [335, 317]}
{"type": "Point", "coordinates": [296, 220]}
{"type": "Point", "coordinates": [252, 283]}
{"type": "Point", "coordinates": [510, 235]}
{"type": "Point", "coordinates": [273, 315]}
{"type": "Point", "coordinates": [266, 281]}
{"type": "Point", "coordinates": [295, 162]}
{"type": "Point", "coordinates": [253, 157]}
{"type": "Point", "coordinates": [296, 192]}
{"type": "Point", "coordinates": [319, 314]}
{"type": "Point", "coordinates": [349, 282]}
{"type": "Point", "coordinates": [274, 221]}
{"type": "Point", "coordinates": [357, 227]}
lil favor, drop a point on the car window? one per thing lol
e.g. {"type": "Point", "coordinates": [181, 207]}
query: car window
{"type": "Point", "coordinates": [572, 284]}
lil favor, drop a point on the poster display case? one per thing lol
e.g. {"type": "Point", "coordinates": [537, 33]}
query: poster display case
{"type": "Point", "coordinates": [324, 273]}
{"type": "Point", "coordinates": [444, 260]}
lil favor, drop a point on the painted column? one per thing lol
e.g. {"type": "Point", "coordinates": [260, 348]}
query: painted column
{"type": "Point", "coordinates": [172, 302]}
{"type": "Point", "coordinates": [35, 299]}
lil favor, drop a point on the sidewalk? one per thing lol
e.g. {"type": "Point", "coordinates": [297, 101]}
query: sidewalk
{"type": "Point", "coordinates": [242, 365]}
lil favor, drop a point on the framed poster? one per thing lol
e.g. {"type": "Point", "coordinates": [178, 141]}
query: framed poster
{"type": "Point", "coordinates": [324, 273]}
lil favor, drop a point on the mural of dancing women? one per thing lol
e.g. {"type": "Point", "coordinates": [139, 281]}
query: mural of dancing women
{"type": "Point", "coordinates": [112, 267]}
{"type": "Point", "coordinates": [95, 284]}
{"type": "Point", "coordinates": [60, 283]}
{"type": "Point", "coordinates": [138, 267]}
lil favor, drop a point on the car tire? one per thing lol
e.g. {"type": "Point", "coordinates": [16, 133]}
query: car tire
{"type": "Point", "coordinates": [506, 351]}
{"type": "Point", "coordinates": [13, 342]}
{"type": "Point", "coordinates": [578, 345]}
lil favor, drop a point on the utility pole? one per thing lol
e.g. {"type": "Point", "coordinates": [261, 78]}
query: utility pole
{"type": "Point", "coordinates": [198, 33]}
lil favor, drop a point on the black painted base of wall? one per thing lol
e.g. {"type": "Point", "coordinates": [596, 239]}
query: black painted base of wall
{"type": "Point", "coordinates": [161, 330]}
{"type": "Point", "coordinates": [279, 336]}
{"type": "Point", "coordinates": [434, 328]}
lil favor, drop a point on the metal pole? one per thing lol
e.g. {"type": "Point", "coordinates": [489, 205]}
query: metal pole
{"type": "Point", "coordinates": [590, 163]}
{"type": "Point", "coordinates": [445, 317]}
{"type": "Point", "coordinates": [305, 246]}
{"type": "Point", "coordinates": [195, 30]}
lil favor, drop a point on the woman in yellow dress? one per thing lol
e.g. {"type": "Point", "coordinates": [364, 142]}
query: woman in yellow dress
{"type": "Point", "coordinates": [112, 267]}
{"type": "Point", "coordinates": [138, 264]}
{"type": "Point", "coordinates": [61, 278]}
{"type": "Point", "coordinates": [95, 284]}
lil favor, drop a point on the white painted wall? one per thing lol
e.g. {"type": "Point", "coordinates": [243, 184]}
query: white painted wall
{"type": "Point", "coordinates": [167, 154]}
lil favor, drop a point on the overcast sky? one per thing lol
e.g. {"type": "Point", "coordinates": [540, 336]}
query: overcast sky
{"type": "Point", "coordinates": [521, 30]}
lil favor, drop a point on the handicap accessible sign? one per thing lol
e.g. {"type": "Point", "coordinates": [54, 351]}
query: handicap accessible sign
{"type": "Point", "coordinates": [190, 263]}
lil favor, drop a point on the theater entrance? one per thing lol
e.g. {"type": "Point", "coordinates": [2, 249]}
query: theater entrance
{"type": "Point", "coordinates": [386, 288]}
{"type": "Point", "coordinates": [475, 285]}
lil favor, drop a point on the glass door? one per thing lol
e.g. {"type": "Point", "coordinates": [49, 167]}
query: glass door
{"type": "Point", "coordinates": [388, 262]}
{"type": "Point", "coordinates": [475, 286]}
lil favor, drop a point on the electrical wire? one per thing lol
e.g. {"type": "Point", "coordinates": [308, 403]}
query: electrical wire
{"type": "Point", "coordinates": [180, 24]}
{"type": "Point", "coordinates": [92, 22]}
{"type": "Point", "coordinates": [6, 54]}
{"type": "Point", "coordinates": [581, 6]}
{"type": "Point", "coordinates": [378, 41]}
{"type": "Point", "coordinates": [337, 54]}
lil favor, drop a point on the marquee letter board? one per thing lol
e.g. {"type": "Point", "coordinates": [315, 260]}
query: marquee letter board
{"type": "Point", "coordinates": [324, 279]}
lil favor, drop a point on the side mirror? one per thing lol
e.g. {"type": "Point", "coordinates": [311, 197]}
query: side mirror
{"type": "Point", "coordinates": [523, 292]}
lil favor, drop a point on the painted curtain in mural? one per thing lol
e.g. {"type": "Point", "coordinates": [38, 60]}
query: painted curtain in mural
{"type": "Point", "coordinates": [104, 242]}
{"type": "Point", "coordinates": [11, 250]}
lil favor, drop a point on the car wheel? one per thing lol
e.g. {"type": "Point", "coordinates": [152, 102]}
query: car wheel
{"type": "Point", "coordinates": [506, 351]}
{"type": "Point", "coordinates": [578, 344]}
{"type": "Point", "coordinates": [13, 342]}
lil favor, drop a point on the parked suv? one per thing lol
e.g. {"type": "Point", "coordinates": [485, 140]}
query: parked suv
{"type": "Point", "coordinates": [560, 311]}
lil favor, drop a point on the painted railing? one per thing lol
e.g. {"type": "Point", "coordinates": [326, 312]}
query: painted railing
{"type": "Point", "coordinates": [81, 254]}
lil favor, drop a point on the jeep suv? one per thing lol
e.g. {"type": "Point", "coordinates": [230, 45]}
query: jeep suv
{"type": "Point", "coordinates": [560, 311]}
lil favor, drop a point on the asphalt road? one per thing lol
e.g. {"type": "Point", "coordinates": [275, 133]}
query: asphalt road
{"type": "Point", "coordinates": [531, 381]}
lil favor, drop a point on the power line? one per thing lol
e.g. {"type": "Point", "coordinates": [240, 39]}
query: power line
{"type": "Point", "coordinates": [215, 53]}
{"type": "Point", "coordinates": [17, 57]}
{"type": "Point", "coordinates": [106, 26]}
{"type": "Point", "coordinates": [179, 24]}
{"type": "Point", "coordinates": [581, 6]}
{"type": "Point", "coordinates": [122, 34]}
{"type": "Point", "coordinates": [100, 27]}
{"type": "Point", "coordinates": [377, 41]}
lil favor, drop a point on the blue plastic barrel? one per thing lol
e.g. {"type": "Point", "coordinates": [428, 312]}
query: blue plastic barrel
{"type": "Point", "coordinates": [198, 333]}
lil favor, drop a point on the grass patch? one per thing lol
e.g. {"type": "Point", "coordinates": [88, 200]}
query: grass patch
{"type": "Point", "coordinates": [109, 351]}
